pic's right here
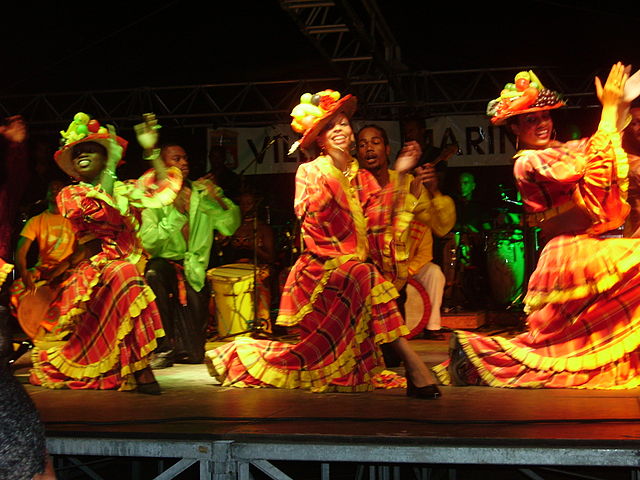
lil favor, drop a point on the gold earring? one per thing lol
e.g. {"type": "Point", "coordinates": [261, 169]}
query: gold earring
{"type": "Point", "coordinates": [517, 143]}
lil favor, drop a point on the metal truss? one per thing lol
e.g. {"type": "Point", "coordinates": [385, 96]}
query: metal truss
{"type": "Point", "coordinates": [223, 104]}
{"type": "Point", "coordinates": [457, 92]}
{"type": "Point", "coordinates": [353, 36]}
{"type": "Point", "coordinates": [424, 94]}
{"type": "Point", "coordinates": [222, 459]}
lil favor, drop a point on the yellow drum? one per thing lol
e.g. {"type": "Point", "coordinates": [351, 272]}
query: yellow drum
{"type": "Point", "coordinates": [232, 288]}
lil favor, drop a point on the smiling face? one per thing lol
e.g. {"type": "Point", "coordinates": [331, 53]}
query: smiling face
{"type": "Point", "coordinates": [373, 151]}
{"type": "Point", "coordinates": [533, 129]}
{"type": "Point", "coordinates": [337, 134]}
{"type": "Point", "coordinates": [88, 160]}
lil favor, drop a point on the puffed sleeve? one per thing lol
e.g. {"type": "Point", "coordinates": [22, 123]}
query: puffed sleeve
{"type": "Point", "coordinates": [311, 191]}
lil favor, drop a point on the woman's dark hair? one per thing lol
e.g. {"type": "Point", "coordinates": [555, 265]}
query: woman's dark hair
{"type": "Point", "coordinates": [88, 147]}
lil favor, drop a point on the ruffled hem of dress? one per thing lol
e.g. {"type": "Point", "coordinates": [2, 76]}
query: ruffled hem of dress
{"type": "Point", "coordinates": [534, 361]}
{"type": "Point", "coordinates": [66, 321]}
{"type": "Point", "coordinates": [316, 380]}
{"type": "Point", "coordinates": [75, 370]}
{"type": "Point", "coordinates": [604, 280]}
{"type": "Point", "coordinates": [441, 373]}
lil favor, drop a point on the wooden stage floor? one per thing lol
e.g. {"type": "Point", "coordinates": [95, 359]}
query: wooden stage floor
{"type": "Point", "coordinates": [468, 425]}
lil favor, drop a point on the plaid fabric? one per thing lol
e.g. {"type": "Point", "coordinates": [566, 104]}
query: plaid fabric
{"type": "Point", "coordinates": [5, 269]}
{"type": "Point", "coordinates": [592, 172]}
{"type": "Point", "coordinates": [432, 215]}
{"type": "Point", "coordinates": [586, 343]}
{"type": "Point", "coordinates": [104, 322]}
{"type": "Point", "coordinates": [341, 303]}
{"type": "Point", "coordinates": [585, 292]}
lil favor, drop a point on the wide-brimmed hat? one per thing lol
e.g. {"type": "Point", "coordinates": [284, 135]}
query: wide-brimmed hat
{"type": "Point", "coordinates": [315, 110]}
{"type": "Point", "coordinates": [82, 129]}
{"type": "Point", "coordinates": [525, 95]}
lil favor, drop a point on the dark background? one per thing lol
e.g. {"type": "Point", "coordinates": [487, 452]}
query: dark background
{"type": "Point", "coordinates": [71, 46]}
{"type": "Point", "coordinates": [55, 46]}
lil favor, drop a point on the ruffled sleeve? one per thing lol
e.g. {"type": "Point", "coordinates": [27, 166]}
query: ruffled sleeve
{"type": "Point", "coordinates": [150, 192]}
{"type": "Point", "coordinates": [603, 189]}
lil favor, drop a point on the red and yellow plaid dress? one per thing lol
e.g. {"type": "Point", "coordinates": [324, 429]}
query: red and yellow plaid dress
{"type": "Point", "coordinates": [335, 293]}
{"type": "Point", "coordinates": [5, 269]}
{"type": "Point", "coordinates": [583, 299]}
{"type": "Point", "coordinates": [104, 322]}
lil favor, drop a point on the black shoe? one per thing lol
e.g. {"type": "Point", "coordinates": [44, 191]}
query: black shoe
{"type": "Point", "coordinates": [433, 335]}
{"type": "Point", "coordinates": [161, 360]}
{"type": "Point", "coordinates": [428, 392]}
{"type": "Point", "coordinates": [152, 388]}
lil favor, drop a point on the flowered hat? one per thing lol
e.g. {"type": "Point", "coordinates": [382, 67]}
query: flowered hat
{"type": "Point", "coordinates": [82, 129]}
{"type": "Point", "coordinates": [315, 110]}
{"type": "Point", "coordinates": [525, 95]}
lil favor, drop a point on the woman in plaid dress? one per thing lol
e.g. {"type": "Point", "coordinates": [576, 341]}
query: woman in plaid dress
{"type": "Point", "coordinates": [583, 298]}
{"type": "Point", "coordinates": [103, 324]}
{"type": "Point", "coordinates": [335, 294]}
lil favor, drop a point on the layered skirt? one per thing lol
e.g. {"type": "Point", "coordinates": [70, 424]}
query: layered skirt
{"type": "Point", "coordinates": [343, 310]}
{"type": "Point", "coordinates": [99, 330]}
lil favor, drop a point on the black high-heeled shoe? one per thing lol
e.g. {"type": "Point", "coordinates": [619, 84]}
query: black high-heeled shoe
{"type": "Point", "coordinates": [429, 392]}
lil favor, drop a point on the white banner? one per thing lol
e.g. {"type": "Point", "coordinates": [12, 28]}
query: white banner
{"type": "Point", "coordinates": [264, 150]}
{"type": "Point", "coordinates": [481, 144]}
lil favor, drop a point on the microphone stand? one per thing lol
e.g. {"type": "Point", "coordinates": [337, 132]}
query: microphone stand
{"type": "Point", "coordinates": [258, 157]}
{"type": "Point", "coordinates": [255, 325]}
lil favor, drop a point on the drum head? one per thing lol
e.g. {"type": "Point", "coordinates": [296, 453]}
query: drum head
{"type": "Point", "coordinates": [33, 309]}
{"type": "Point", "coordinates": [417, 308]}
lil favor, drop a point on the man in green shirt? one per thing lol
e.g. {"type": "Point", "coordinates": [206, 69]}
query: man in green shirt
{"type": "Point", "coordinates": [178, 239]}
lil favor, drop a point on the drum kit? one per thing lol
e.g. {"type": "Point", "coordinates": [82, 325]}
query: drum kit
{"type": "Point", "coordinates": [498, 256]}
{"type": "Point", "coordinates": [501, 250]}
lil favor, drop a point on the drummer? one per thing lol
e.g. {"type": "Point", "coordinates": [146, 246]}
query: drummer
{"type": "Point", "coordinates": [435, 213]}
{"type": "Point", "coordinates": [473, 222]}
{"type": "Point", "coordinates": [472, 215]}
{"type": "Point", "coordinates": [53, 235]}
{"type": "Point", "coordinates": [178, 238]}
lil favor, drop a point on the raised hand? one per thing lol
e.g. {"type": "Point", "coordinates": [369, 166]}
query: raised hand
{"type": "Point", "coordinates": [612, 92]}
{"type": "Point", "coordinates": [428, 177]}
{"type": "Point", "coordinates": [115, 149]}
{"type": "Point", "coordinates": [15, 130]}
{"type": "Point", "coordinates": [147, 131]}
{"type": "Point", "coordinates": [408, 157]}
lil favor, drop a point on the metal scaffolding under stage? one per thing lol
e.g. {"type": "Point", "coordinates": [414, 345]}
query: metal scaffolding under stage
{"type": "Point", "coordinates": [226, 460]}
